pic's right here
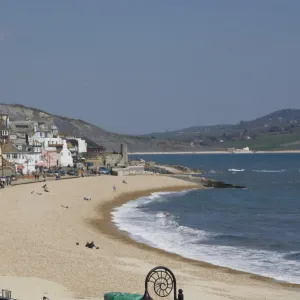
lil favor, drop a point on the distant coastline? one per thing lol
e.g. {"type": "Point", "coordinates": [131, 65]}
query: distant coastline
{"type": "Point", "coordinates": [213, 152]}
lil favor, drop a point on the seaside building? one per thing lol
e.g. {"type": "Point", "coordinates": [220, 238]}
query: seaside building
{"type": "Point", "coordinates": [93, 149]}
{"type": "Point", "coordinates": [77, 147]}
{"type": "Point", "coordinates": [20, 131]}
{"type": "Point", "coordinates": [4, 128]}
{"type": "Point", "coordinates": [64, 157]}
{"type": "Point", "coordinates": [49, 157]}
{"type": "Point", "coordinates": [47, 141]}
{"type": "Point", "coordinates": [24, 160]}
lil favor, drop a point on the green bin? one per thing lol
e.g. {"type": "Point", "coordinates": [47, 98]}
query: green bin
{"type": "Point", "coordinates": [122, 296]}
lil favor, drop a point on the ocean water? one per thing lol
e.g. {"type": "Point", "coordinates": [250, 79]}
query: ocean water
{"type": "Point", "coordinates": [256, 229]}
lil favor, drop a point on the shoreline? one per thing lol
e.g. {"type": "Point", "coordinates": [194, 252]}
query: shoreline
{"type": "Point", "coordinates": [43, 246]}
{"type": "Point", "coordinates": [108, 227]}
{"type": "Point", "coordinates": [215, 152]}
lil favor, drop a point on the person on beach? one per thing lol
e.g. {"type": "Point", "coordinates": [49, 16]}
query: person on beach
{"type": "Point", "coordinates": [90, 245]}
{"type": "Point", "coordinates": [114, 188]}
{"type": "Point", "coordinates": [2, 183]}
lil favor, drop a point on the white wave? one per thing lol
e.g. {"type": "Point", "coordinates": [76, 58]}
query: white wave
{"type": "Point", "coordinates": [236, 170]}
{"type": "Point", "coordinates": [162, 215]}
{"type": "Point", "coordinates": [162, 230]}
{"type": "Point", "coordinates": [270, 171]}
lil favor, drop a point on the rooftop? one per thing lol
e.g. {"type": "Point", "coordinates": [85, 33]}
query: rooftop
{"type": "Point", "coordinates": [9, 148]}
{"type": "Point", "coordinates": [91, 144]}
{"type": "Point", "coordinates": [21, 126]}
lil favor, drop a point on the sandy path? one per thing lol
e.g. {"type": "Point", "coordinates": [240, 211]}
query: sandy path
{"type": "Point", "coordinates": [39, 253]}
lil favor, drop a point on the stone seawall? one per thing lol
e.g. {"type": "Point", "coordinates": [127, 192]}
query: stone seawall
{"type": "Point", "coordinates": [132, 170]}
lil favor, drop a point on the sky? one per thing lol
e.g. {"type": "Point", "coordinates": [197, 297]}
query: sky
{"type": "Point", "coordinates": [147, 66]}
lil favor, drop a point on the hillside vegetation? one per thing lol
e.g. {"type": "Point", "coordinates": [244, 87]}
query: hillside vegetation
{"type": "Point", "coordinates": [279, 130]}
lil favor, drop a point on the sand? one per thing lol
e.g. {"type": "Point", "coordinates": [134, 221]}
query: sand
{"type": "Point", "coordinates": [39, 254]}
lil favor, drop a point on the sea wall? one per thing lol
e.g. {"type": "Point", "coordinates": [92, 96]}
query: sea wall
{"type": "Point", "coordinates": [132, 170]}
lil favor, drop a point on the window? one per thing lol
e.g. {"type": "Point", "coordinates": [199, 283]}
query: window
{"type": "Point", "coordinates": [15, 156]}
{"type": "Point", "coordinates": [8, 156]}
{"type": "Point", "coordinates": [41, 134]}
{"type": "Point", "coordinates": [4, 133]}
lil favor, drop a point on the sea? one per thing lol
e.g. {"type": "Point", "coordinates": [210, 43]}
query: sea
{"type": "Point", "coordinates": [256, 229]}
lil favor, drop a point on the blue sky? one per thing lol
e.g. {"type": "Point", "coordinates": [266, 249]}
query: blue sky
{"type": "Point", "coordinates": [143, 66]}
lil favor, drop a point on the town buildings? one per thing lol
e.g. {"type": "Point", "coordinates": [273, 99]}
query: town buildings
{"type": "Point", "coordinates": [32, 145]}
{"type": "Point", "coordinates": [24, 160]}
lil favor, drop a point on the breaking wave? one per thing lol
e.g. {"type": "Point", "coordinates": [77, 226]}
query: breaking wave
{"type": "Point", "coordinates": [162, 230]}
{"type": "Point", "coordinates": [270, 171]}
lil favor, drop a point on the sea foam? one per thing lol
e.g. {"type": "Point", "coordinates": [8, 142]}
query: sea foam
{"type": "Point", "coordinates": [163, 230]}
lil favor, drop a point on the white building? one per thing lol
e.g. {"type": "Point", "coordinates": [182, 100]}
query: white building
{"type": "Point", "coordinates": [78, 145]}
{"type": "Point", "coordinates": [25, 161]}
{"type": "Point", "coordinates": [82, 146]}
{"type": "Point", "coordinates": [46, 142]}
{"type": "Point", "coordinates": [64, 157]}
{"type": "Point", "coordinates": [37, 148]}
{"type": "Point", "coordinates": [41, 130]}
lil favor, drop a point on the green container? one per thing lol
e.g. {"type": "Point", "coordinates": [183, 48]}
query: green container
{"type": "Point", "coordinates": [122, 296]}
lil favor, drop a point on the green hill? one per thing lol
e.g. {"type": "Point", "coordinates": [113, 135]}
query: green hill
{"type": "Point", "coordinates": [279, 130]}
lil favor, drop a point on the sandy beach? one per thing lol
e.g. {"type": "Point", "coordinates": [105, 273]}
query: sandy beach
{"type": "Point", "coordinates": [39, 255]}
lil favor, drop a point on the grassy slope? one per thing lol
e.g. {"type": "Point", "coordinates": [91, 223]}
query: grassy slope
{"type": "Point", "coordinates": [269, 142]}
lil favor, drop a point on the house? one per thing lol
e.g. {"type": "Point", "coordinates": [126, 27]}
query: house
{"type": "Point", "coordinates": [64, 157]}
{"type": "Point", "coordinates": [93, 149]}
{"type": "Point", "coordinates": [4, 119]}
{"type": "Point", "coordinates": [77, 146]}
{"type": "Point", "coordinates": [4, 127]}
{"type": "Point", "coordinates": [49, 157]}
{"type": "Point", "coordinates": [4, 134]}
{"type": "Point", "coordinates": [46, 142]}
{"type": "Point", "coordinates": [23, 160]}
{"type": "Point", "coordinates": [29, 148]}
{"type": "Point", "coordinates": [21, 131]}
